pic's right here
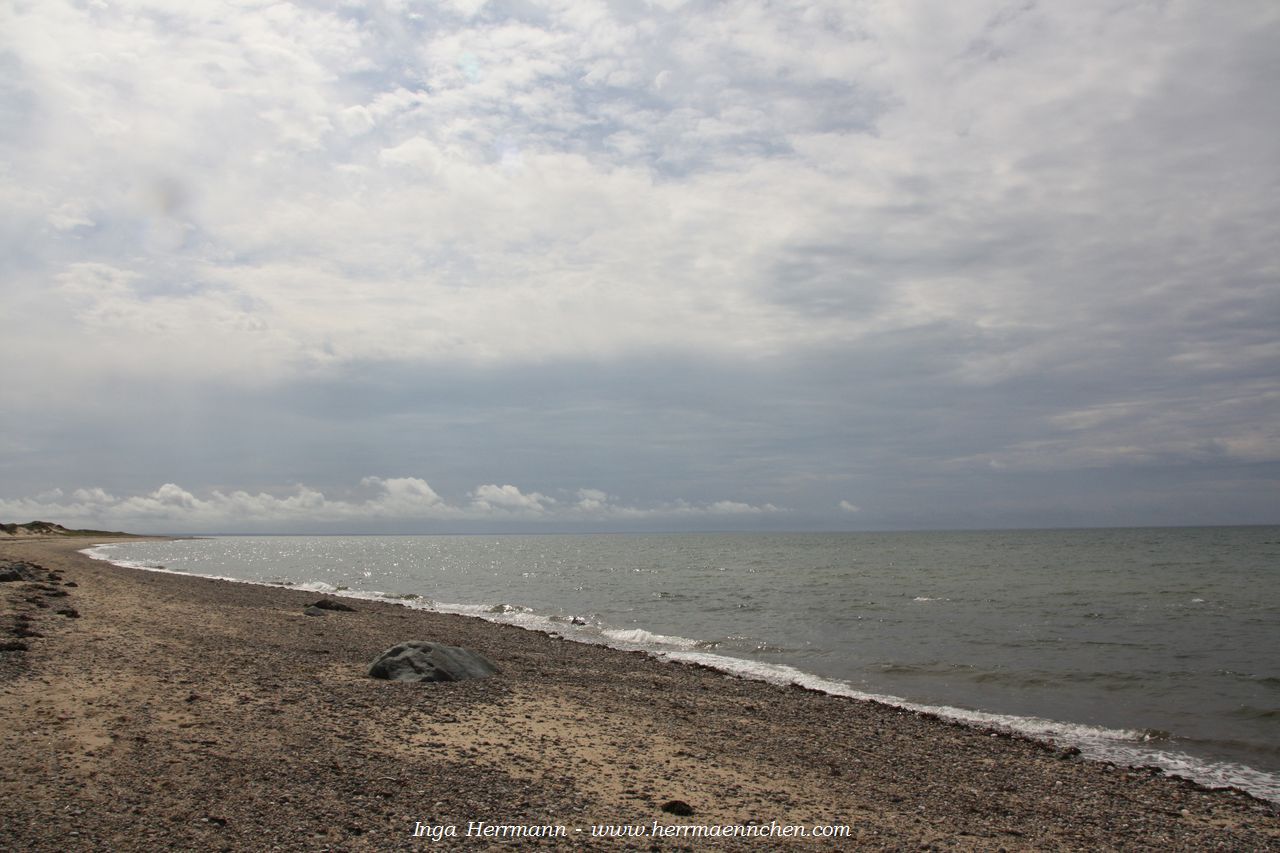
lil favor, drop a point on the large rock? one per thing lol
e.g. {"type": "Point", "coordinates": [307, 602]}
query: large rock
{"type": "Point", "coordinates": [419, 660]}
{"type": "Point", "coordinates": [330, 604]}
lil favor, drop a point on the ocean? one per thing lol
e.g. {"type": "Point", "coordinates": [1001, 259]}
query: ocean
{"type": "Point", "coordinates": [1154, 646]}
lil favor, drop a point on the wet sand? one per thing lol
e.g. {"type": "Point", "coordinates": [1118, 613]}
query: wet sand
{"type": "Point", "coordinates": [160, 710]}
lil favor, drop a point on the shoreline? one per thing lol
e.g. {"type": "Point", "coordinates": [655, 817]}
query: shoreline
{"type": "Point", "coordinates": [181, 710]}
{"type": "Point", "coordinates": [1120, 743]}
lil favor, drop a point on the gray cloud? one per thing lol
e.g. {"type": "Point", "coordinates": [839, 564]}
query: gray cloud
{"type": "Point", "coordinates": [1002, 264]}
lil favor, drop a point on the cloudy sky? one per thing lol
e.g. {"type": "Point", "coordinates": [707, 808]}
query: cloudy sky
{"type": "Point", "coordinates": [606, 265]}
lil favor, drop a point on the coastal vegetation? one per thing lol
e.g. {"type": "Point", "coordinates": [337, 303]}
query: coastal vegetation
{"type": "Point", "coordinates": [49, 528]}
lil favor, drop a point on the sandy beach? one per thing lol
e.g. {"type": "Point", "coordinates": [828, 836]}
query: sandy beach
{"type": "Point", "coordinates": [143, 710]}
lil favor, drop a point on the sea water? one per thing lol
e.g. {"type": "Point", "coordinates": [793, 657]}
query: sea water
{"type": "Point", "coordinates": [1140, 646]}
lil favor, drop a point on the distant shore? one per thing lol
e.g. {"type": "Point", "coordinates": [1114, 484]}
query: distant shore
{"type": "Point", "coordinates": [52, 530]}
{"type": "Point", "coordinates": [164, 710]}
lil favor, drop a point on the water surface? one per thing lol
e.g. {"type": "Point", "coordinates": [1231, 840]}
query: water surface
{"type": "Point", "coordinates": [1143, 646]}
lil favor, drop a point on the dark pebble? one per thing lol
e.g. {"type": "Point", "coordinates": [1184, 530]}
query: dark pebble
{"type": "Point", "coordinates": [677, 807]}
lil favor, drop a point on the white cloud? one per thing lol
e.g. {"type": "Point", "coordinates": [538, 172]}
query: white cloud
{"type": "Point", "coordinates": [467, 8]}
{"type": "Point", "coordinates": [403, 495]}
{"type": "Point", "coordinates": [897, 133]}
{"type": "Point", "coordinates": [592, 501]}
{"type": "Point", "coordinates": [738, 507]}
{"type": "Point", "coordinates": [491, 497]}
{"type": "Point", "coordinates": [849, 507]}
{"type": "Point", "coordinates": [1056, 209]}
{"type": "Point", "coordinates": [396, 499]}
{"type": "Point", "coordinates": [71, 215]}
{"type": "Point", "coordinates": [417, 152]}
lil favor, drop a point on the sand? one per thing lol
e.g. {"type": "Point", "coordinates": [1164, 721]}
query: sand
{"type": "Point", "coordinates": [160, 710]}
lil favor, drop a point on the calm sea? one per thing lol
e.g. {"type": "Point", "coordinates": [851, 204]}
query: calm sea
{"type": "Point", "coordinates": [1140, 646]}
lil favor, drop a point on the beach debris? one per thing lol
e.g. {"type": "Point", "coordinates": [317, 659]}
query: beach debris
{"type": "Point", "coordinates": [330, 604]}
{"type": "Point", "coordinates": [21, 627]}
{"type": "Point", "coordinates": [421, 660]}
{"type": "Point", "coordinates": [679, 808]}
{"type": "Point", "coordinates": [12, 572]}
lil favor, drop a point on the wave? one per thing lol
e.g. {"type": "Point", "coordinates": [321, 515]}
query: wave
{"type": "Point", "coordinates": [1248, 712]}
{"type": "Point", "coordinates": [926, 669]}
{"type": "Point", "coordinates": [641, 637]}
{"type": "Point", "coordinates": [1262, 680]}
{"type": "Point", "coordinates": [99, 552]}
{"type": "Point", "coordinates": [1130, 747]}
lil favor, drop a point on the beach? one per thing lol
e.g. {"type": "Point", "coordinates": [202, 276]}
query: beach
{"type": "Point", "coordinates": [164, 710]}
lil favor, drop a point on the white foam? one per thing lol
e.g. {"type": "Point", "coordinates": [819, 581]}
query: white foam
{"type": "Point", "coordinates": [316, 586]}
{"type": "Point", "coordinates": [641, 637]}
{"type": "Point", "coordinates": [98, 552]}
{"type": "Point", "coordinates": [1127, 747]}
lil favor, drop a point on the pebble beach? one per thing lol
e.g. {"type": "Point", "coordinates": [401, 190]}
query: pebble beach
{"type": "Point", "coordinates": [141, 710]}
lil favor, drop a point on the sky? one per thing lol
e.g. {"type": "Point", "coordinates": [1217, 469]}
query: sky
{"type": "Point", "coordinates": [561, 265]}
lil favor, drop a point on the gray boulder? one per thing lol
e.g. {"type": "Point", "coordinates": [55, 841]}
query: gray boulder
{"type": "Point", "coordinates": [419, 660]}
{"type": "Point", "coordinates": [330, 604]}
